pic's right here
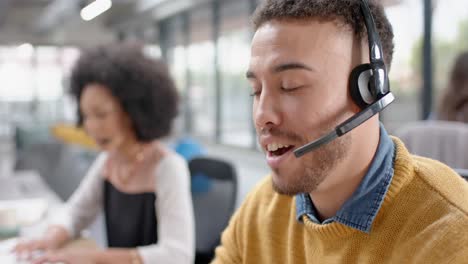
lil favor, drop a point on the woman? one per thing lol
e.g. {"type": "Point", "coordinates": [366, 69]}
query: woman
{"type": "Point", "coordinates": [454, 103]}
{"type": "Point", "coordinates": [127, 102]}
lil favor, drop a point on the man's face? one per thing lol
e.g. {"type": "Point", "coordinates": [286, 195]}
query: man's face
{"type": "Point", "coordinates": [299, 76]}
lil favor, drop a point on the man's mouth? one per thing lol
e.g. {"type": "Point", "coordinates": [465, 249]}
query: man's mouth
{"type": "Point", "coordinates": [278, 149]}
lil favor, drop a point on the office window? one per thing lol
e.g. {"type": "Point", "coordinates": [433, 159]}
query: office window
{"type": "Point", "coordinates": [176, 51]}
{"type": "Point", "coordinates": [34, 81]}
{"type": "Point", "coordinates": [177, 62]}
{"type": "Point", "coordinates": [48, 71]}
{"type": "Point", "coordinates": [16, 73]}
{"type": "Point", "coordinates": [234, 54]}
{"type": "Point", "coordinates": [201, 69]}
{"type": "Point", "coordinates": [450, 37]}
{"type": "Point", "coordinates": [68, 104]}
{"type": "Point", "coordinates": [28, 73]}
{"type": "Point", "coordinates": [405, 74]}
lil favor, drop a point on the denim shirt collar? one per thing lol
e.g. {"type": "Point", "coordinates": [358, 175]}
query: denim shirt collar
{"type": "Point", "coordinates": [360, 210]}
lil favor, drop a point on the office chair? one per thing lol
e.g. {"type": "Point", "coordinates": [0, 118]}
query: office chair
{"type": "Point", "coordinates": [463, 173]}
{"type": "Point", "coordinates": [441, 140]}
{"type": "Point", "coordinates": [213, 205]}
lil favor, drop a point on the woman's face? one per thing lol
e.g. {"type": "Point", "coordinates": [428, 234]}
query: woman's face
{"type": "Point", "coordinates": [104, 119]}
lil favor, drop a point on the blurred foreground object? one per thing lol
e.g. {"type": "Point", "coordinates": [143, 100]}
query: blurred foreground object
{"type": "Point", "coordinates": [73, 135]}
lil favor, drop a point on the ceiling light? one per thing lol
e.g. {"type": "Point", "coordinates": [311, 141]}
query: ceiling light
{"type": "Point", "coordinates": [95, 9]}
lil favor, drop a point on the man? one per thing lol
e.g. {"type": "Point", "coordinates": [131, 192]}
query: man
{"type": "Point", "coordinates": [360, 198]}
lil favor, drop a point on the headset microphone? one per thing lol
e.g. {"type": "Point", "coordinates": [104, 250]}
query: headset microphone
{"type": "Point", "coordinates": [347, 125]}
{"type": "Point", "coordinates": [369, 87]}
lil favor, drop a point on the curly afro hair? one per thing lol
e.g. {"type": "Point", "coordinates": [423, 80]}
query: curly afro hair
{"type": "Point", "coordinates": [345, 12]}
{"type": "Point", "coordinates": [142, 86]}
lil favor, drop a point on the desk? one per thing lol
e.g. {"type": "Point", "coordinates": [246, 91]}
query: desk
{"type": "Point", "coordinates": [24, 186]}
{"type": "Point", "coordinates": [25, 200]}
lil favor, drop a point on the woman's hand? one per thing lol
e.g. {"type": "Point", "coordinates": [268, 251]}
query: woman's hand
{"type": "Point", "coordinates": [54, 238]}
{"type": "Point", "coordinates": [28, 249]}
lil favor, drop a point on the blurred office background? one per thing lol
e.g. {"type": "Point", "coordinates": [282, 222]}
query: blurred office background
{"type": "Point", "coordinates": [206, 44]}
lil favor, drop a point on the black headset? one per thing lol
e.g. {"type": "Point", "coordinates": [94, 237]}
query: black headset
{"type": "Point", "coordinates": [368, 84]}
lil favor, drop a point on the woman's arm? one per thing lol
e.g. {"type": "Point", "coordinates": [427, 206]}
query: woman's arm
{"type": "Point", "coordinates": [56, 236]}
{"type": "Point", "coordinates": [176, 228]}
{"type": "Point", "coordinates": [83, 206]}
{"type": "Point", "coordinates": [79, 211]}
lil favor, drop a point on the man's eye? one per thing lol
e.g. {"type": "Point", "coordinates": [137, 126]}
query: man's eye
{"type": "Point", "coordinates": [256, 90]}
{"type": "Point", "coordinates": [255, 93]}
{"type": "Point", "coordinates": [290, 89]}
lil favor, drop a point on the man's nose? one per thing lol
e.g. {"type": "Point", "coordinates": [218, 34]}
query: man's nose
{"type": "Point", "coordinates": [267, 110]}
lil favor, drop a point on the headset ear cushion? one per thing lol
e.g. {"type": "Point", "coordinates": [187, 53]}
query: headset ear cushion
{"type": "Point", "coordinates": [359, 88]}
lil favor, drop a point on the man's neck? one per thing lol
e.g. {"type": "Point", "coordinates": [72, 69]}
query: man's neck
{"type": "Point", "coordinates": [345, 178]}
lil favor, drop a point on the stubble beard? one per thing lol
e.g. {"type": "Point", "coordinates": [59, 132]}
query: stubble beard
{"type": "Point", "coordinates": [315, 168]}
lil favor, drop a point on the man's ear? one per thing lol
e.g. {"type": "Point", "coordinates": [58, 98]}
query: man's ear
{"type": "Point", "coordinates": [354, 107]}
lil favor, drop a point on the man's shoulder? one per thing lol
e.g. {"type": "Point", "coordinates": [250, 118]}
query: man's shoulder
{"type": "Point", "coordinates": [436, 215]}
{"type": "Point", "coordinates": [442, 182]}
{"type": "Point", "coordinates": [427, 181]}
{"type": "Point", "coordinates": [428, 215]}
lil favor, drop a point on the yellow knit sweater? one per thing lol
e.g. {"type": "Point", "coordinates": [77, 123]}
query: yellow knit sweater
{"type": "Point", "coordinates": [423, 219]}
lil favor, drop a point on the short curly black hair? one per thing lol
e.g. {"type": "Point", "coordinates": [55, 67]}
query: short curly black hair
{"type": "Point", "coordinates": [345, 12]}
{"type": "Point", "coordinates": [143, 86]}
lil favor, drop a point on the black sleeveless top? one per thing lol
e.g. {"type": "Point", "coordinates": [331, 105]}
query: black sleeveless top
{"type": "Point", "coordinates": [130, 218]}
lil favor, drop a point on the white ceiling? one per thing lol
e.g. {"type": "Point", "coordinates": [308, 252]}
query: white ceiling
{"type": "Point", "coordinates": [56, 22]}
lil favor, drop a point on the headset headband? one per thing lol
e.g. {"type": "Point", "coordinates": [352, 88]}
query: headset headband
{"type": "Point", "coordinates": [375, 46]}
